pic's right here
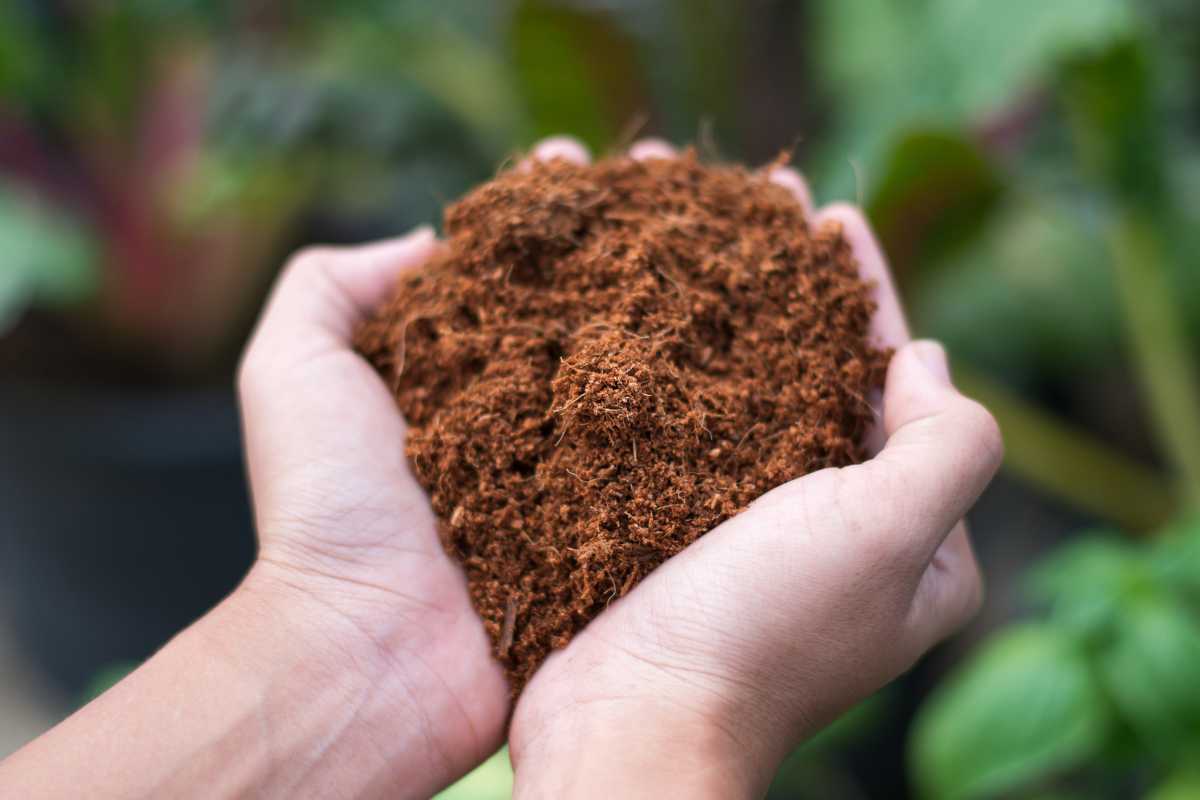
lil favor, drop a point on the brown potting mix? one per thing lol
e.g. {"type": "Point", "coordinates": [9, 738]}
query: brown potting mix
{"type": "Point", "coordinates": [608, 361]}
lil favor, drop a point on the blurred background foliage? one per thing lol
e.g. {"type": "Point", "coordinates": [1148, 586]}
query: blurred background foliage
{"type": "Point", "coordinates": [1032, 169]}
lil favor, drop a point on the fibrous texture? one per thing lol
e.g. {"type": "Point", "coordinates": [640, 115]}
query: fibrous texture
{"type": "Point", "coordinates": [608, 361]}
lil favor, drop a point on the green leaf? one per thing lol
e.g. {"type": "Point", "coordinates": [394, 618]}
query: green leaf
{"type": "Point", "coordinates": [1117, 128]}
{"type": "Point", "coordinates": [937, 190]}
{"type": "Point", "coordinates": [465, 74]}
{"type": "Point", "coordinates": [47, 259]}
{"type": "Point", "coordinates": [1150, 671]}
{"type": "Point", "coordinates": [1175, 560]}
{"type": "Point", "coordinates": [1182, 785]}
{"type": "Point", "coordinates": [1023, 708]}
{"type": "Point", "coordinates": [893, 66]}
{"type": "Point", "coordinates": [1038, 271]}
{"type": "Point", "coordinates": [852, 726]}
{"type": "Point", "coordinates": [22, 60]}
{"type": "Point", "coordinates": [812, 768]}
{"type": "Point", "coordinates": [1088, 582]}
{"type": "Point", "coordinates": [577, 71]}
{"type": "Point", "coordinates": [107, 678]}
{"type": "Point", "coordinates": [1116, 125]}
{"type": "Point", "coordinates": [993, 51]}
{"type": "Point", "coordinates": [491, 780]}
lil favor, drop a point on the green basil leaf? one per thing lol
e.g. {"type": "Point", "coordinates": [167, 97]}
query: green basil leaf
{"type": "Point", "coordinates": [1150, 671]}
{"type": "Point", "coordinates": [1176, 559]}
{"type": "Point", "coordinates": [1087, 582]}
{"type": "Point", "coordinates": [1183, 785]}
{"type": "Point", "coordinates": [491, 780]}
{"type": "Point", "coordinates": [1024, 708]}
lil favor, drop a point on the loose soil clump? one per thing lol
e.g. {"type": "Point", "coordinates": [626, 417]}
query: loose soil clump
{"type": "Point", "coordinates": [608, 361]}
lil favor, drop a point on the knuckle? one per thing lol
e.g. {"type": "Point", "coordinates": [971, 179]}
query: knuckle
{"type": "Point", "coordinates": [983, 432]}
{"type": "Point", "coordinates": [846, 211]}
{"type": "Point", "coordinates": [850, 216]}
{"type": "Point", "coordinates": [309, 259]}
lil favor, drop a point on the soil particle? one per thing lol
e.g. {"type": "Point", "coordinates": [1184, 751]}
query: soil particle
{"type": "Point", "coordinates": [608, 361]}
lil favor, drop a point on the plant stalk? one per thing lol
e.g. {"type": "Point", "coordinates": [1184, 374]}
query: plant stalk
{"type": "Point", "coordinates": [1167, 370]}
{"type": "Point", "coordinates": [1071, 464]}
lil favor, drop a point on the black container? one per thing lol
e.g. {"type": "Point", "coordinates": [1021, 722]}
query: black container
{"type": "Point", "coordinates": [123, 517]}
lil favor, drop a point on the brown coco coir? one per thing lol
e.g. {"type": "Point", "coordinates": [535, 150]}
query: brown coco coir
{"type": "Point", "coordinates": [608, 361]}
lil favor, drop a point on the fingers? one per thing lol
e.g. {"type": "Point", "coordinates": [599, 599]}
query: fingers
{"type": "Point", "coordinates": [888, 327]}
{"type": "Point", "coordinates": [306, 398]}
{"type": "Point", "coordinates": [647, 149]}
{"type": "Point", "coordinates": [567, 148]}
{"type": "Point", "coordinates": [325, 291]}
{"type": "Point", "coordinates": [574, 151]}
{"type": "Point", "coordinates": [564, 147]}
{"type": "Point", "coordinates": [942, 450]}
{"type": "Point", "coordinates": [791, 180]}
{"type": "Point", "coordinates": [895, 521]}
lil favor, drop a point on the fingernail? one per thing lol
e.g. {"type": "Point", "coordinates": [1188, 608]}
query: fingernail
{"type": "Point", "coordinates": [789, 179]}
{"type": "Point", "coordinates": [933, 356]}
{"type": "Point", "coordinates": [649, 149]}
{"type": "Point", "coordinates": [418, 234]}
{"type": "Point", "coordinates": [567, 148]}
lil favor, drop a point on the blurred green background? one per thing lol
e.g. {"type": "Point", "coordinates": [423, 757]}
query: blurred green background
{"type": "Point", "coordinates": [1032, 168]}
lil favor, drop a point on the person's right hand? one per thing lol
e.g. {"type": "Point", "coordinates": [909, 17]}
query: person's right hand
{"type": "Point", "coordinates": [703, 678]}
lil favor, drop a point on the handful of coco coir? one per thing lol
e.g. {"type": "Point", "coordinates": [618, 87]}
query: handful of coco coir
{"type": "Point", "coordinates": [605, 363]}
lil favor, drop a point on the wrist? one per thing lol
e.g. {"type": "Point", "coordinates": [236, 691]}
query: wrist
{"type": "Point", "coordinates": [343, 703]}
{"type": "Point", "coordinates": [567, 742]}
{"type": "Point", "coordinates": [267, 695]}
{"type": "Point", "coordinates": [632, 751]}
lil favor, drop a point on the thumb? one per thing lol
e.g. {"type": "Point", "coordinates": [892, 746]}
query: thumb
{"type": "Point", "coordinates": [324, 292]}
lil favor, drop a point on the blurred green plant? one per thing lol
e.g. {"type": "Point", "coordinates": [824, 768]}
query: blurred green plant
{"type": "Point", "coordinates": [931, 63]}
{"type": "Point", "coordinates": [1104, 683]}
{"type": "Point", "coordinates": [578, 71]}
{"type": "Point", "coordinates": [815, 771]}
{"type": "Point", "coordinates": [188, 143]}
{"type": "Point", "coordinates": [1069, 227]}
{"type": "Point", "coordinates": [491, 780]}
{"type": "Point", "coordinates": [1010, 155]}
{"type": "Point", "coordinates": [107, 678]}
{"type": "Point", "coordinates": [1023, 195]}
{"type": "Point", "coordinates": [1031, 167]}
{"type": "Point", "coordinates": [46, 261]}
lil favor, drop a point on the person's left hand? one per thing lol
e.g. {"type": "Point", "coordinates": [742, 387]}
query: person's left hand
{"type": "Point", "coordinates": [348, 540]}
{"type": "Point", "coordinates": [347, 533]}
{"type": "Point", "coordinates": [349, 663]}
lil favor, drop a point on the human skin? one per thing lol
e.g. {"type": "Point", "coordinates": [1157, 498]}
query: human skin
{"type": "Point", "coordinates": [349, 663]}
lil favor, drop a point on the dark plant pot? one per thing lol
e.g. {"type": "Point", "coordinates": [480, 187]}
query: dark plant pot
{"type": "Point", "coordinates": [123, 517]}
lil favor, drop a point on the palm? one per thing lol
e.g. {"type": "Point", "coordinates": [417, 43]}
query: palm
{"type": "Point", "coordinates": [337, 507]}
